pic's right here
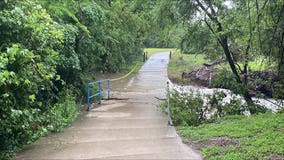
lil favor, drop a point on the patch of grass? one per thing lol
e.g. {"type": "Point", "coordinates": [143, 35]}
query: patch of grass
{"type": "Point", "coordinates": [257, 64]}
{"type": "Point", "coordinates": [151, 51]}
{"type": "Point", "coordinates": [180, 63]}
{"type": "Point", "coordinates": [261, 137]}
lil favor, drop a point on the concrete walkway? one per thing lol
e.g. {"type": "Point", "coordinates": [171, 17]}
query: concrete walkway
{"type": "Point", "coordinates": [123, 129]}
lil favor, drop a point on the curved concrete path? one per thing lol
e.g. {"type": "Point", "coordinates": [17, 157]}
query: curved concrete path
{"type": "Point", "coordinates": [123, 129]}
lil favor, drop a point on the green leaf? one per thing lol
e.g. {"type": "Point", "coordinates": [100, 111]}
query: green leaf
{"type": "Point", "coordinates": [32, 98]}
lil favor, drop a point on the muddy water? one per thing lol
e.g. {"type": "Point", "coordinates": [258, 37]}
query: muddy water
{"type": "Point", "coordinates": [271, 104]}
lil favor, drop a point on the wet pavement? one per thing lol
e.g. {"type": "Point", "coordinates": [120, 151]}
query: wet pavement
{"type": "Point", "coordinates": [130, 128]}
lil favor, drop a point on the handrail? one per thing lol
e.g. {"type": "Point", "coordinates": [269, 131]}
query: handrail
{"type": "Point", "coordinates": [168, 109]}
{"type": "Point", "coordinates": [99, 92]}
{"type": "Point", "coordinates": [130, 72]}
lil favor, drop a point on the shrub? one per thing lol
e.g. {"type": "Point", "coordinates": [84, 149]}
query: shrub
{"type": "Point", "coordinates": [19, 127]}
{"type": "Point", "coordinates": [233, 107]}
{"type": "Point", "coordinates": [226, 79]}
{"type": "Point", "coordinates": [63, 112]}
{"type": "Point", "coordinates": [193, 109]}
{"type": "Point", "coordinates": [25, 125]}
{"type": "Point", "coordinates": [187, 109]}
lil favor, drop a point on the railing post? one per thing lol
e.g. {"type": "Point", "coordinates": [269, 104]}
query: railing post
{"type": "Point", "coordinates": [169, 108]}
{"type": "Point", "coordinates": [88, 96]}
{"type": "Point", "coordinates": [108, 89]}
{"type": "Point", "coordinates": [100, 92]}
{"type": "Point", "coordinates": [146, 55]}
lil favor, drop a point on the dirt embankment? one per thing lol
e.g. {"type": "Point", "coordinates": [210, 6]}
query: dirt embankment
{"type": "Point", "coordinates": [201, 76]}
{"type": "Point", "coordinates": [266, 83]}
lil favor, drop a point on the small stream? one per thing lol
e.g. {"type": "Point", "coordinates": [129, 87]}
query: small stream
{"type": "Point", "coordinates": [269, 103]}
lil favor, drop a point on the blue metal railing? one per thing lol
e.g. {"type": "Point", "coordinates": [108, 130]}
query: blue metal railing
{"type": "Point", "coordinates": [99, 92]}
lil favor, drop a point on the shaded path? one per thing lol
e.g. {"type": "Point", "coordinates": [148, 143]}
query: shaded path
{"type": "Point", "coordinates": [122, 129]}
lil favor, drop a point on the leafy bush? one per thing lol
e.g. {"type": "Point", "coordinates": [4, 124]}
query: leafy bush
{"type": "Point", "coordinates": [63, 112]}
{"type": "Point", "coordinates": [18, 128]}
{"type": "Point", "coordinates": [25, 125]}
{"type": "Point", "coordinates": [29, 81]}
{"type": "Point", "coordinates": [193, 109]}
{"type": "Point", "coordinates": [187, 109]}
{"type": "Point", "coordinates": [279, 90]}
{"type": "Point", "coordinates": [233, 107]}
{"type": "Point", "coordinates": [226, 79]}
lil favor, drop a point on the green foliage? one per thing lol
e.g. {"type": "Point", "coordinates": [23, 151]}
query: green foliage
{"type": "Point", "coordinates": [68, 63]}
{"type": "Point", "coordinates": [187, 109]}
{"type": "Point", "coordinates": [197, 39]}
{"type": "Point", "coordinates": [226, 79]}
{"type": "Point", "coordinates": [234, 107]}
{"type": "Point", "coordinates": [158, 27]}
{"type": "Point", "coordinates": [63, 112]}
{"type": "Point", "coordinates": [28, 77]}
{"type": "Point", "coordinates": [265, 83]}
{"type": "Point", "coordinates": [28, 69]}
{"type": "Point", "coordinates": [184, 109]}
{"type": "Point", "coordinates": [98, 37]}
{"type": "Point", "coordinates": [48, 45]}
{"type": "Point", "coordinates": [19, 127]}
{"type": "Point", "coordinates": [193, 109]}
{"type": "Point", "coordinates": [279, 90]}
{"type": "Point", "coordinates": [260, 137]}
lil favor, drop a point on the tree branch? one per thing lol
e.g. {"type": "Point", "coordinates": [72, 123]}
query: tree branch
{"type": "Point", "coordinates": [212, 30]}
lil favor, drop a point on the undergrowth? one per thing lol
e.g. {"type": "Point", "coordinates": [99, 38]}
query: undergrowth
{"type": "Point", "coordinates": [20, 127]}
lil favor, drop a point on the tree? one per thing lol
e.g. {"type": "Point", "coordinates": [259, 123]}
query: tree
{"type": "Point", "coordinates": [28, 57]}
{"type": "Point", "coordinates": [196, 39]}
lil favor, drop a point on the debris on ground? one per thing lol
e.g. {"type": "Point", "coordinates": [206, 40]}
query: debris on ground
{"type": "Point", "coordinates": [201, 76]}
{"type": "Point", "coordinates": [264, 83]}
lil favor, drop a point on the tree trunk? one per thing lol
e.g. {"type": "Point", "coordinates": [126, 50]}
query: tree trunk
{"type": "Point", "coordinates": [227, 52]}
{"type": "Point", "coordinates": [281, 57]}
{"type": "Point", "coordinates": [223, 40]}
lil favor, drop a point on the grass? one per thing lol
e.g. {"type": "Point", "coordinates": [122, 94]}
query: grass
{"type": "Point", "coordinates": [180, 63]}
{"type": "Point", "coordinates": [260, 137]}
{"type": "Point", "coordinates": [259, 64]}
